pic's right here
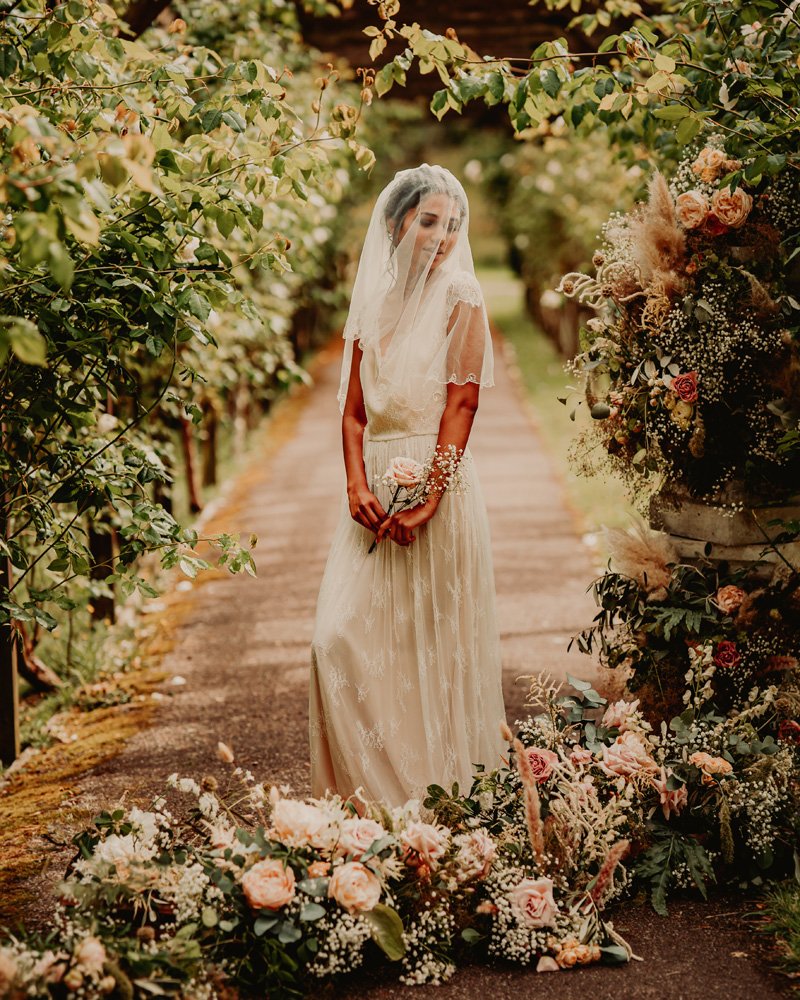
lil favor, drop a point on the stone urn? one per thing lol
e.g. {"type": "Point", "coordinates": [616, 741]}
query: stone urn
{"type": "Point", "coordinates": [732, 527]}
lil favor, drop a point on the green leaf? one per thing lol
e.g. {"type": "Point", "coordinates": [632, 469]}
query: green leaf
{"type": "Point", "coordinates": [25, 340]}
{"type": "Point", "coordinates": [551, 82]}
{"type": "Point", "coordinates": [9, 60]}
{"type": "Point", "coordinates": [384, 80]}
{"type": "Point", "coordinates": [312, 911]}
{"type": "Point", "coordinates": [387, 931]}
{"type": "Point", "coordinates": [264, 924]}
{"type": "Point", "coordinates": [687, 130]}
{"type": "Point", "coordinates": [62, 266]}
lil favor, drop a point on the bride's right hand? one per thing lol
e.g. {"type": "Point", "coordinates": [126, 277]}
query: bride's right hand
{"type": "Point", "coordinates": [365, 507]}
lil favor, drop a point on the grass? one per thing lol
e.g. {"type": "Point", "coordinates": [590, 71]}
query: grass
{"type": "Point", "coordinates": [781, 915]}
{"type": "Point", "coordinates": [541, 371]}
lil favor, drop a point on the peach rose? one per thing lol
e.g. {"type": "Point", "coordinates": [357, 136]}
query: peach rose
{"type": "Point", "coordinates": [692, 207]}
{"type": "Point", "coordinates": [318, 869]}
{"type": "Point", "coordinates": [424, 842]}
{"type": "Point", "coordinates": [709, 164]}
{"type": "Point", "coordinates": [268, 885]}
{"type": "Point", "coordinates": [298, 824]}
{"type": "Point", "coordinates": [91, 954]}
{"type": "Point", "coordinates": [671, 800]}
{"type": "Point", "coordinates": [710, 766]}
{"type": "Point", "coordinates": [627, 755]}
{"type": "Point", "coordinates": [476, 852]}
{"type": "Point", "coordinates": [532, 901]}
{"type": "Point", "coordinates": [729, 599]}
{"type": "Point", "coordinates": [50, 967]}
{"type": "Point", "coordinates": [541, 762]}
{"type": "Point", "coordinates": [731, 207]}
{"type": "Point", "coordinates": [404, 472]}
{"type": "Point", "coordinates": [8, 971]}
{"type": "Point", "coordinates": [354, 887]}
{"type": "Point", "coordinates": [547, 964]}
{"type": "Point", "coordinates": [358, 835]}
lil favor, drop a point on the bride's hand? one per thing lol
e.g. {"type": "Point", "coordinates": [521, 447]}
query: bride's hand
{"type": "Point", "coordinates": [400, 527]}
{"type": "Point", "coordinates": [365, 507]}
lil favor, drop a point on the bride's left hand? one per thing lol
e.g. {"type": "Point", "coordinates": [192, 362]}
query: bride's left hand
{"type": "Point", "coordinates": [400, 527]}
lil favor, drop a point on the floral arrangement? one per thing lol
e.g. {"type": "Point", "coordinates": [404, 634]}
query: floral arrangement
{"type": "Point", "coordinates": [256, 888]}
{"type": "Point", "coordinates": [692, 363]}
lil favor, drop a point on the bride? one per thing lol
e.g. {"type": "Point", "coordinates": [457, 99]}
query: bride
{"type": "Point", "coordinates": [405, 677]}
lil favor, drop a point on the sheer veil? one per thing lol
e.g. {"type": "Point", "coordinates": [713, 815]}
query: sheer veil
{"type": "Point", "coordinates": [416, 304]}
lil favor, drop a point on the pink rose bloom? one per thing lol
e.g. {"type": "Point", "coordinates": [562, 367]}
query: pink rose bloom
{"type": "Point", "coordinates": [532, 901]}
{"type": "Point", "coordinates": [731, 207]}
{"type": "Point", "coordinates": [627, 755]}
{"type": "Point", "coordinates": [91, 954]}
{"type": "Point", "coordinates": [268, 885]}
{"type": "Point", "coordinates": [476, 852]}
{"type": "Point", "coordinates": [424, 842]}
{"type": "Point", "coordinates": [354, 887]}
{"type": "Point", "coordinates": [618, 715]}
{"type": "Point", "coordinates": [726, 655]}
{"type": "Point", "coordinates": [581, 757]}
{"type": "Point", "coordinates": [685, 387]}
{"type": "Point", "coordinates": [542, 762]}
{"type": "Point", "coordinates": [358, 835]}
{"type": "Point", "coordinates": [404, 472]}
{"type": "Point", "coordinates": [8, 971]}
{"type": "Point", "coordinates": [692, 208]}
{"type": "Point", "coordinates": [729, 599]}
{"type": "Point", "coordinates": [672, 800]}
{"type": "Point", "coordinates": [298, 824]}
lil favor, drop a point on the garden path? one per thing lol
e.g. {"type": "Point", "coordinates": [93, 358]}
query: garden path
{"type": "Point", "coordinates": [241, 646]}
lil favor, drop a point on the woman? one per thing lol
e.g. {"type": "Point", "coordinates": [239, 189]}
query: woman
{"type": "Point", "coordinates": [405, 686]}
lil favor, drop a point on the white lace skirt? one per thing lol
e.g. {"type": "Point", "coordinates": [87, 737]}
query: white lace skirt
{"type": "Point", "coordinates": [406, 676]}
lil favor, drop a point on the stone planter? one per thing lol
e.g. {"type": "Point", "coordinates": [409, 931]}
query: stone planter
{"type": "Point", "coordinates": [708, 530]}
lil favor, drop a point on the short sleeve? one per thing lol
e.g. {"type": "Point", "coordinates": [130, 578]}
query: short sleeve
{"type": "Point", "coordinates": [469, 342]}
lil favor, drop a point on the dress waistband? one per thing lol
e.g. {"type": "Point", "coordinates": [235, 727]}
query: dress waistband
{"type": "Point", "coordinates": [400, 434]}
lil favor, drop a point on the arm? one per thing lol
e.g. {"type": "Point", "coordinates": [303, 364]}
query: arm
{"type": "Point", "coordinates": [365, 508]}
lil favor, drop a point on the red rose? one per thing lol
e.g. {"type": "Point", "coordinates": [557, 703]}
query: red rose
{"type": "Point", "coordinates": [685, 387]}
{"type": "Point", "coordinates": [726, 655]}
{"type": "Point", "coordinates": [789, 732]}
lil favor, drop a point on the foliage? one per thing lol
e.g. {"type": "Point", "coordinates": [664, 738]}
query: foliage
{"type": "Point", "coordinates": [782, 919]}
{"type": "Point", "coordinates": [661, 80]}
{"type": "Point", "coordinates": [165, 200]}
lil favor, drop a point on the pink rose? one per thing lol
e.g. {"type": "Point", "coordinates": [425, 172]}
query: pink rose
{"type": "Point", "coordinates": [424, 842]}
{"type": "Point", "coordinates": [672, 800]}
{"type": "Point", "coordinates": [404, 472]}
{"type": "Point", "coordinates": [476, 852]}
{"type": "Point", "coordinates": [726, 655]}
{"type": "Point", "coordinates": [358, 835]}
{"type": "Point", "coordinates": [618, 715]}
{"type": "Point", "coordinates": [50, 967]}
{"type": "Point", "coordinates": [268, 885]}
{"type": "Point", "coordinates": [354, 887]}
{"type": "Point", "coordinates": [685, 387]}
{"type": "Point", "coordinates": [91, 954]}
{"type": "Point", "coordinates": [298, 824]}
{"type": "Point", "coordinates": [692, 208]}
{"type": "Point", "coordinates": [581, 757]}
{"type": "Point", "coordinates": [8, 971]}
{"type": "Point", "coordinates": [627, 755]}
{"type": "Point", "coordinates": [532, 901]}
{"type": "Point", "coordinates": [729, 599]}
{"type": "Point", "coordinates": [542, 762]}
{"type": "Point", "coordinates": [731, 207]}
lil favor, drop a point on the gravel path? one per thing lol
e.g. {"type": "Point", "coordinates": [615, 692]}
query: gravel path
{"type": "Point", "coordinates": [242, 646]}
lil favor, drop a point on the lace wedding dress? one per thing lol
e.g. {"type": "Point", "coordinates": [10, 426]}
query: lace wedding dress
{"type": "Point", "coordinates": [406, 678]}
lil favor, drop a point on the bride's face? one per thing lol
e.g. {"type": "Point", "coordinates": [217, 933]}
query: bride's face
{"type": "Point", "coordinates": [438, 221]}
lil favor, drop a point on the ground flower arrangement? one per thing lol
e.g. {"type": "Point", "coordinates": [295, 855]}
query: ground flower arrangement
{"type": "Point", "coordinates": [692, 363]}
{"type": "Point", "coordinates": [255, 890]}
